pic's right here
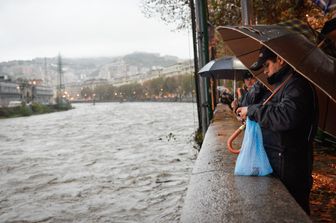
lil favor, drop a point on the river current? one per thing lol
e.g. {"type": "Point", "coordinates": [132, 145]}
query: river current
{"type": "Point", "coordinates": [109, 162]}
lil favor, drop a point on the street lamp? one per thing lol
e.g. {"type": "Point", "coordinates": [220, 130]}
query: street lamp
{"type": "Point", "coordinates": [19, 90]}
{"type": "Point", "coordinates": [33, 90]}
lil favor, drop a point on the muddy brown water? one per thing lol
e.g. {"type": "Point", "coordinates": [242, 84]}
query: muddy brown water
{"type": "Point", "coordinates": [109, 162]}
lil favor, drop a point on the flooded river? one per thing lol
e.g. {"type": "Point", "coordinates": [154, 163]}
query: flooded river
{"type": "Point", "coordinates": [109, 162]}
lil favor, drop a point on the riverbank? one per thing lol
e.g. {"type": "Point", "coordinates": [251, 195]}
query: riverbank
{"type": "Point", "coordinates": [33, 109]}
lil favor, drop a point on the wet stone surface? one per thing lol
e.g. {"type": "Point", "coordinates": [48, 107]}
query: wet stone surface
{"type": "Point", "coordinates": [216, 195]}
{"type": "Point", "coordinates": [323, 194]}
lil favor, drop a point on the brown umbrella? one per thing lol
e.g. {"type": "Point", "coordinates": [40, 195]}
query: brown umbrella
{"type": "Point", "coordinates": [307, 59]}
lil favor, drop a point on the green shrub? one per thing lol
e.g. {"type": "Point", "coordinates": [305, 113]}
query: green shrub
{"type": "Point", "coordinates": [63, 105]}
{"type": "Point", "coordinates": [198, 138]}
{"type": "Point", "coordinates": [5, 112]}
{"type": "Point", "coordinates": [37, 108]}
{"type": "Point", "coordinates": [25, 110]}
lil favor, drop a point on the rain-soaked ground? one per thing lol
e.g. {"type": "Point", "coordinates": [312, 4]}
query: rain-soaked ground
{"type": "Point", "coordinates": [323, 196]}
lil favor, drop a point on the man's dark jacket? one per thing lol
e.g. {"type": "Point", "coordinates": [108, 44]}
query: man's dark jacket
{"type": "Point", "coordinates": [288, 124]}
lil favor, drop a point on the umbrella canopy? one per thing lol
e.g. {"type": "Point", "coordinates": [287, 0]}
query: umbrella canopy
{"type": "Point", "coordinates": [224, 68]}
{"type": "Point", "coordinates": [308, 60]}
{"type": "Point", "coordinates": [301, 27]}
{"type": "Point", "coordinates": [325, 5]}
{"type": "Point", "coordinates": [294, 48]}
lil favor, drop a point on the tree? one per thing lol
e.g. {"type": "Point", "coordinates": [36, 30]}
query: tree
{"type": "Point", "coordinates": [133, 91]}
{"type": "Point", "coordinates": [224, 12]}
{"type": "Point", "coordinates": [175, 12]}
{"type": "Point", "coordinates": [271, 12]}
{"type": "Point", "coordinates": [104, 92]}
{"type": "Point", "coordinates": [154, 86]}
{"type": "Point", "coordinates": [170, 84]}
{"type": "Point", "coordinates": [187, 84]}
{"type": "Point", "coordinates": [86, 92]}
{"type": "Point", "coordinates": [227, 12]}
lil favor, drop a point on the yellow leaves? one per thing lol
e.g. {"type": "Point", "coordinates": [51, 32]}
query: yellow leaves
{"type": "Point", "coordinates": [323, 194]}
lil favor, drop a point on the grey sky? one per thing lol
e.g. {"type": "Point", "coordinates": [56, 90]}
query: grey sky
{"type": "Point", "coordinates": [82, 28]}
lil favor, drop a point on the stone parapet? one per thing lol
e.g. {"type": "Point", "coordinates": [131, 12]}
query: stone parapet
{"type": "Point", "coordinates": [216, 195]}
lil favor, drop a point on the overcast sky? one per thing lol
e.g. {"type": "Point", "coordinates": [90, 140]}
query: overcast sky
{"type": "Point", "coordinates": [83, 28]}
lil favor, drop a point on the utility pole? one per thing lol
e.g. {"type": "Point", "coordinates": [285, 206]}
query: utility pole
{"type": "Point", "coordinates": [247, 12]}
{"type": "Point", "coordinates": [196, 78]}
{"type": "Point", "coordinates": [46, 78]}
{"type": "Point", "coordinates": [61, 84]}
{"type": "Point", "coordinates": [202, 84]}
{"type": "Point", "coordinates": [203, 56]}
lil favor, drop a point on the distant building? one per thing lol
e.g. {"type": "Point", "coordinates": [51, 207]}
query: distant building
{"type": "Point", "coordinates": [74, 89]}
{"type": "Point", "coordinates": [43, 94]}
{"type": "Point", "coordinates": [181, 68]}
{"type": "Point", "coordinates": [4, 78]}
{"type": "Point", "coordinates": [34, 91]}
{"type": "Point", "coordinates": [186, 67]}
{"type": "Point", "coordinates": [9, 91]}
{"type": "Point", "coordinates": [24, 91]}
{"type": "Point", "coordinates": [92, 83]}
{"type": "Point", "coordinates": [119, 73]}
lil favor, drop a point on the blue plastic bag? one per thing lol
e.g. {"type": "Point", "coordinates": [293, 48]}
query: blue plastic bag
{"type": "Point", "coordinates": [252, 159]}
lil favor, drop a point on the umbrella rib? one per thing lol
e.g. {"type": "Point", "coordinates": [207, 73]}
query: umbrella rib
{"type": "Point", "coordinates": [243, 37]}
{"type": "Point", "coordinates": [240, 55]}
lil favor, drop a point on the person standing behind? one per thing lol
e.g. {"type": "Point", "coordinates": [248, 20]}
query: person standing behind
{"type": "Point", "coordinates": [248, 80]}
{"type": "Point", "coordinates": [226, 98]}
{"type": "Point", "coordinates": [288, 123]}
{"type": "Point", "coordinates": [255, 92]}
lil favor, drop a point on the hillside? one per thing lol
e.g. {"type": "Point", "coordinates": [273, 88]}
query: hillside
{"type": "Point", "coordinates": [149, 60]}
{"type": "Point", "coordinates": [80, 69]}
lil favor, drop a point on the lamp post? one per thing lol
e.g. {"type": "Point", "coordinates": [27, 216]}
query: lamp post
{"type": "Point", "coordinates": [23, 89]}
{"type": "Point", "coordinates": [18, 88]}
{"type": "Point", "coordinates": [33, 89]}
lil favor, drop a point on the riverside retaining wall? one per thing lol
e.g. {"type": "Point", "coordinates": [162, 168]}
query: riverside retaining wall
{"type": "Point", "coordinates": [216, 195]}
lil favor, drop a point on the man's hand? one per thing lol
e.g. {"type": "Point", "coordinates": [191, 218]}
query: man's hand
{"type": "Point", "coordinates": [234, 104]}
{"type": "Point", "coordinates": [239, 92]}
{"type": "Point", "coordinates": [242, 112]}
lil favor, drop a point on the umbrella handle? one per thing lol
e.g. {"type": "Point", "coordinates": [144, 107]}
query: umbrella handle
{"type": "Point", "coordinates": [232, 138]}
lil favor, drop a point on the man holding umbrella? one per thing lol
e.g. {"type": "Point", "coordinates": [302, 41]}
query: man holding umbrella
{"type": "Point", "coordinates": [288, 122]}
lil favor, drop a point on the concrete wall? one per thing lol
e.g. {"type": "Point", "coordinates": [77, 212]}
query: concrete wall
{"type": "Point", "coordinates": [216, 195]}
